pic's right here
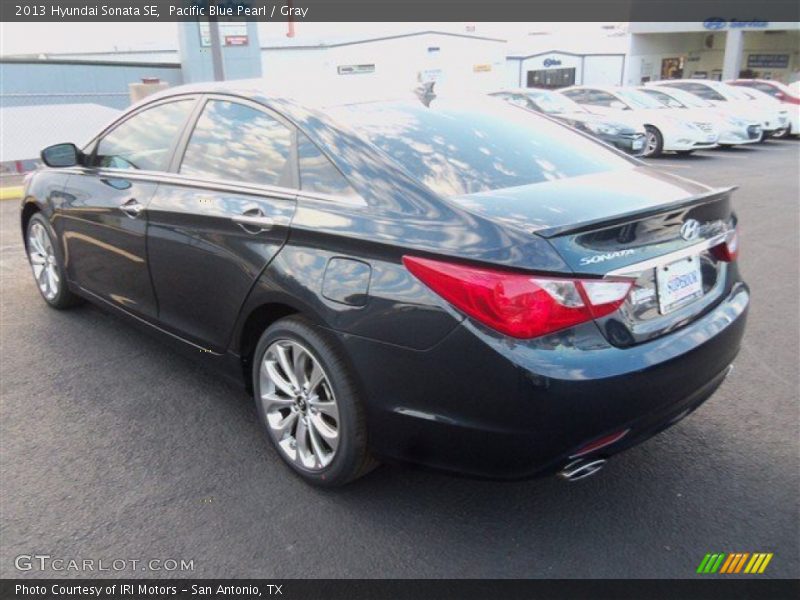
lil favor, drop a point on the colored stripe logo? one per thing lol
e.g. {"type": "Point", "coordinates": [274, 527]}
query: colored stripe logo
{"type": "Point", "coordinates": [734, 562]}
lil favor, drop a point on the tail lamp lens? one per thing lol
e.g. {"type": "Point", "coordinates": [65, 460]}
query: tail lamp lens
{"type": "Point", "coordinates": [727, 251]}
{"type": "Point", "coordinates": [517, 304]}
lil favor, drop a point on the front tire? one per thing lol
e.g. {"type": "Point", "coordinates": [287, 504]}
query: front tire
{"type": "Point", "coordinates": [654, 142]}
{"type": "Point", "coordinates": [309, 403]}
{"type": "Point", "coordinates": [46, 264]}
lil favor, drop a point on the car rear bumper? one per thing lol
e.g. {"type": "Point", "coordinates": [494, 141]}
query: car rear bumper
{"type": "Point", "coordinates": [489, 406]}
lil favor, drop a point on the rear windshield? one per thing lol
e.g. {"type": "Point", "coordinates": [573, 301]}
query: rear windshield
{"type": "Point", "coordinates": [477, 146]}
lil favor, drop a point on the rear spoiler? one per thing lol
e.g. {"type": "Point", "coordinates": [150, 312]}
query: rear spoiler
{"type": "Point", "coordinates": [635, 215]}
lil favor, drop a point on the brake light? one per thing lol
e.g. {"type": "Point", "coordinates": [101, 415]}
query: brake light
{"type": "Point", "coordinates": [518, 304]}
{"type": "Point", "coordinates": [727, 251]}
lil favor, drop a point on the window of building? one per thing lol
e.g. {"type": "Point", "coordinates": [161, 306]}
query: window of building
{"type": "Point", "coordinates": [551, 78]}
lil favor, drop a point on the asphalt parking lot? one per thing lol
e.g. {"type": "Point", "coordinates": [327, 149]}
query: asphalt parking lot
{"type": "Point", "coordinates": [112, 446]}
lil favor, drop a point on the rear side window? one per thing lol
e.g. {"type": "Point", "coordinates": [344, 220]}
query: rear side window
{"type": "Point", "coordinates": [144, 141]}
{"type": "Point", "coordinates": [698, 89]}
{"type": "Point", "coordinates": [457, 149]}
{"type": "Point", "coordinates": [238, 143]}
{"type": "Point", "coordinates": [766, 88]}
{"type": "Point", "coordinates": [665, 99]}
{"type": "Point", "coordinates": [317, 174]}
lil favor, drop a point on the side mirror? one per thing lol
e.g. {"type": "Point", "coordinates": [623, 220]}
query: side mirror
{"type": "Point", "coordinates": [618, 105]}
{"type": "Point", "coordinates": [61, 155]}
{"type": "Point", "coordinates": [780, 95]}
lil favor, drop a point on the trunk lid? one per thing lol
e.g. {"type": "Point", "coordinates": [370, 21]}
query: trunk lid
{"type": "Point", "coordinates": [635, 224]}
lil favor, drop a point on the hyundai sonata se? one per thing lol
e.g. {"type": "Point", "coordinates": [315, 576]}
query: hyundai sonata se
{"type": "Point", "coordinates": [462, 285]}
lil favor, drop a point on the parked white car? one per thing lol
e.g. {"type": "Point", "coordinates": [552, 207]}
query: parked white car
{"type": "Point", "coordinates": [781, 103]}
{"type": "Point", "coordinates": [733, 128]}
{"type": "Point", "coordinates": [666, 130]}
{"type": "Point", "coordinates": [773, 119]}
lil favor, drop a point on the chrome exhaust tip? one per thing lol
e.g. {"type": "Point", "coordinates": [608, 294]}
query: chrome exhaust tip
{"type": "Point", "coordinates": [581, 469]}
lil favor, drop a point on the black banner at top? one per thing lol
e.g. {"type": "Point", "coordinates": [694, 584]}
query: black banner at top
{"type": "Point", "coordinates": [728, 11]}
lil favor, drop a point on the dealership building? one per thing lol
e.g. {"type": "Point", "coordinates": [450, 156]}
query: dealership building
{"type": "Point", "coordinates": [714, 49]}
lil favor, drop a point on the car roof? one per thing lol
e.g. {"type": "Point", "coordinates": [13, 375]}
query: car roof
{"type": "Point", "coordinates": [708, 82]}
{"type": "Point", "coordinates": [309, 96]}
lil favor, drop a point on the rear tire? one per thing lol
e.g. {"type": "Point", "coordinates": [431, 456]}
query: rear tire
{"type": "Point", "coordinates": [44, 256]}
{"type": "Point", "coordinates": [309, 403]}
{"type": "Point", "coordinates": [654, 142]}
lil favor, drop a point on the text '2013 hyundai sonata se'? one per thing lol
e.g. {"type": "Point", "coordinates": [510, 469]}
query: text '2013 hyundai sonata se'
{"type": "Point", "coordinates": [463, 285]}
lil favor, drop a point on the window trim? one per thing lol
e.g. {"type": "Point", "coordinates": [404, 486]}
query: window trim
{"type": "Point", "coordinates": [171, 176]}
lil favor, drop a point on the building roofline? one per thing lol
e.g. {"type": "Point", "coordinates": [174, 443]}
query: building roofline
{"type": "Point", "coordinates": [382, 39]}
{"type": "Point", "coordinates": [579, 54]}
{"type": "Point", "coordinates": [96, 63]}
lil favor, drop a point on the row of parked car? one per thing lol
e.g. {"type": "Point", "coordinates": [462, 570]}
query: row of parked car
{"type": "Point", "coordinates": [676, 115]}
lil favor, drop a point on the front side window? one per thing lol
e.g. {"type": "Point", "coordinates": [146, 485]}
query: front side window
{"type": "Point", "coordinates": [704, 91]}
{"type": "Point", "coordinates": [317, 174]}
{"type": "Point", "coordinates": [144, 141]}
{"type": "Point", "coordinates": [235, 142]}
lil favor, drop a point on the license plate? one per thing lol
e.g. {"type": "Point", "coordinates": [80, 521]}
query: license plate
{"type": "Point", "coordinates": [638, 144]}
{"type": "Point", "coordinates": [678, 283]}
{"type": "Point", "coordinates": [711, 138]}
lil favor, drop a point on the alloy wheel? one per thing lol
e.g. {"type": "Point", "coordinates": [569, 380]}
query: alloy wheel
{"type": "Point", "coordinates": [299, 405]}
{"type": "Point", "coordinates": [43, 261]}
{"type": "Point", "coordinates": [652, 143]}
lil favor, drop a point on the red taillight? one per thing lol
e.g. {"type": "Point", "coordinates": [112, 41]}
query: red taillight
{"type": "Point", "coordinates": [519, 305]}
{"type": "Point", "coordinates": [727, 251]}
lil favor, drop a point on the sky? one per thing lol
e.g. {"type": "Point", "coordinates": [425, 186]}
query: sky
{"type": "Point", "coordinates": [36, 38]}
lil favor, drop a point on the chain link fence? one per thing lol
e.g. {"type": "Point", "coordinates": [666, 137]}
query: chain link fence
{"type": "Point", "coordinates": [32, 121]}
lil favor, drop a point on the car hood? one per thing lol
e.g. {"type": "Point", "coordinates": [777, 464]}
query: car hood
{"type": "Point", "coordinates": [585, 199]}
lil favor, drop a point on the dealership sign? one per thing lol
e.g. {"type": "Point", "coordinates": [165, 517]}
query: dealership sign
{"type": "Point", "coordinates": [768, 61]}
{"type": "Point", "coordinates": [551, 62]}
{"type": "Point", "coordinates": [718, 23]}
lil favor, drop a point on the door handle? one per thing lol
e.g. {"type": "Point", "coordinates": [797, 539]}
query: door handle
{"type": "Point", "coordinates": [132, 208]}
{"type": "Point", "coordinates": [254, 221]}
